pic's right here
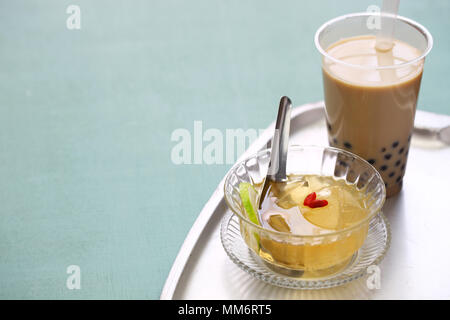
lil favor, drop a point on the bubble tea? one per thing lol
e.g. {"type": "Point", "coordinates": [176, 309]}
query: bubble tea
{"type": "Point", "coordinates": [371, 93]}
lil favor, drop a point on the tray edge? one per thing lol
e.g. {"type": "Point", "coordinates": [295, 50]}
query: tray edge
{"type": "Point", "coordinates": [209, 208]}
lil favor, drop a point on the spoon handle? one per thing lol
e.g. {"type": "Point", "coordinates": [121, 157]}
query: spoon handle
{"type": "Point", "coordinates": [278, 156]}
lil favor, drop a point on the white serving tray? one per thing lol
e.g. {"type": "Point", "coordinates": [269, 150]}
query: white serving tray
{"type": "Point", "coordinates": [417, 266]}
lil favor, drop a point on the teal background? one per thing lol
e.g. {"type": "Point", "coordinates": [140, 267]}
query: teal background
{"type": "Point", "coordinates": [86, 118]}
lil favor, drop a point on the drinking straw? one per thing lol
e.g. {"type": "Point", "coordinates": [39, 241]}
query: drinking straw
{"type": "Point", "coordinates": [384, 37]}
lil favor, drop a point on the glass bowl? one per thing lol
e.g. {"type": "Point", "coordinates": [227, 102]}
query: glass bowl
{"type": "Point", "coordinates": [307, 256]}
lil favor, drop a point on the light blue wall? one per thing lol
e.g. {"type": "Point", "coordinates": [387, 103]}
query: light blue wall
{"type": "Point", "coordinates": [87, 116]}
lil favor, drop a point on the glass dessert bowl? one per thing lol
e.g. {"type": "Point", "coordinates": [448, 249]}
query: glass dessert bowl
{"type": "Point", "coordinates": [314, 227]}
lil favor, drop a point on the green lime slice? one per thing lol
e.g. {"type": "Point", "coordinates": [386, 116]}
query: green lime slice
{"type": "Point", "coordinates": [249, 197]}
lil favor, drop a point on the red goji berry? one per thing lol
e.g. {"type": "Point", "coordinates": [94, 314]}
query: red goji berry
{"type": "Point", "coordinates": [318, 203]}
{"type": "Point", "coordinates": [310, 197]}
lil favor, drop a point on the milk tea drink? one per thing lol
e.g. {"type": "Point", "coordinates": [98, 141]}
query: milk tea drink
{"type": "Point", "coordinates": [370, 106]}
{"type": "Point", "coordinates": [371, 90]}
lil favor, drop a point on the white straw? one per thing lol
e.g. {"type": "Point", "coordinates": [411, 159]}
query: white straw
{"type": "Point", "coordinates": [385, 35]}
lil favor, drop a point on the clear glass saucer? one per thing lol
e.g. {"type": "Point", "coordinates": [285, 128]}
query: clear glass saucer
{"type": "Point", "coordinates": [371, 253]}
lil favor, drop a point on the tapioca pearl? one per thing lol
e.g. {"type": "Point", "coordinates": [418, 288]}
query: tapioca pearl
{"type": "Point", "coordinates": [329, 126]}
{"type": "Point", "coordinates": [401, 150]}
{"type": "Point", "coordinates": [395, 144]}
{"type": "Point", "coordinates": [383, 149]}
{"type": "Point", "coordinates": [383, 167]}
{"type": "Point", "coordinates": [386, 184]}
{"type": "Point", "coordinates": [409, 138]}
{"type": "Point", "coordinates": [391, 174]}
{"type": "Point", "coordinates": [402, 167]}
{"type": "Point", "coordinates": [343, 163]}
{"type": "Point", "coordinates": [399, 178]}
{"type": "Point", "coordinates": [397, 163]}
{"type": "Point", "coordinates": [371, 161]}
{"type": "Point", "coordinates": [348, 145]}
{"type": "Point", "coordinates": [387, 156]}
{"type": "Point", "coordinates": [364, 176]}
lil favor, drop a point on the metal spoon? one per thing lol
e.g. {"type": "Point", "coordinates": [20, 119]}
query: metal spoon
{"type": "Point", "coordinates": [280, 141]}
{"type": "Point", "coordinates": [442, 134]}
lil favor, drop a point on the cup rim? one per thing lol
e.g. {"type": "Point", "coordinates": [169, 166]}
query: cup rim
{"type": "Point", "coordinates": [300, 236]}
{"type": "Point", "coordinates": [420, 28]}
